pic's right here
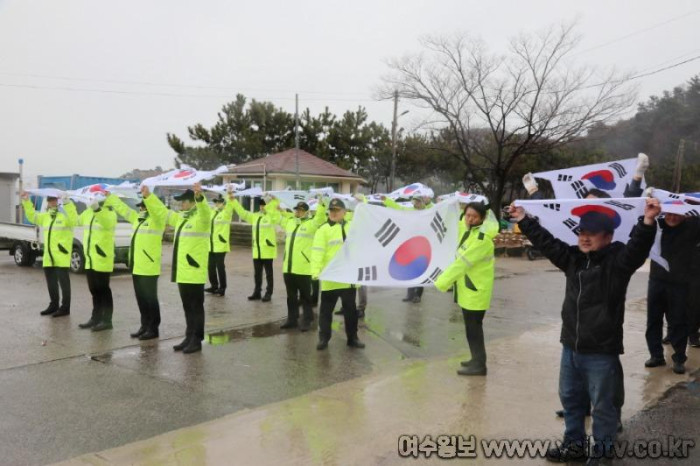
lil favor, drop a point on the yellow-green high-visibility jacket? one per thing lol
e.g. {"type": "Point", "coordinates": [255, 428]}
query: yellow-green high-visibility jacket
{"type": "Point", "coordinates": [58, 232]}
{"type": "Point", "coordinates": [98, 238]}
{"type": "Point", "coordinates": [327, 241]}
{"type": "Point", "coordinates": [300, 238]}
{"type": "Point", "coordinates": [392, 204]}
{"type": "Point", "coordinates": [473, 269]}
{"type": "Point", "coordinates": [220, 230]}
{"type": "Point", "coordinates": [191, 241]}
{"type": "Point", "coordinates": [264, 237]}
{"type": "Point", "coordinates": [146, 246]}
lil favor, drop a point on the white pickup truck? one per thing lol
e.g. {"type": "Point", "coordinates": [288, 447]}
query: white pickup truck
{"type": "Point", "coordinates": [25, 242]}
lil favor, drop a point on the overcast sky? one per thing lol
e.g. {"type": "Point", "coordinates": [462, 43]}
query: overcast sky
{"type": "Point", "coordinates": [92, 87]}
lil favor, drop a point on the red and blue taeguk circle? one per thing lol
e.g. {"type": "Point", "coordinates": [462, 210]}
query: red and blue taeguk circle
{"type": "Point", "coordinates": [411, 259]}
{"type": "Point", "coordinates": [607, 211]}
{"type": "Point", "coordinates": [97, 188]}
{"type": "Point", "coordinates": [601, 179]}
{"type": "Point", "coordinates": [411, 188]}
{"type": "Point", "coordinates": [184, 174]}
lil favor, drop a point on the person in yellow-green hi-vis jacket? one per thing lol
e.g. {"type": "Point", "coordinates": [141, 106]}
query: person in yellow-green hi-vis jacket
{"type": "Point", "coordinates": [99, 223]}
{"type": "Point", "coordinates": [58, 246]}
{"type": "Point", "coordinates": [327, 242]}
{"type": "Point", "coordinates": [472, 274]}
{"type": "Point", "coordinates": [264, 243]}
{"type": "Point", "coordinates": [300, 229]}
{"type": "Point", "coordinates": [420, 202]}
{"type": "Point", "coordinates": [190, 258]}
{"type": "Point", "coordinates": [219, 245]}
{"type": "Point", "coordinates": [145, 253]}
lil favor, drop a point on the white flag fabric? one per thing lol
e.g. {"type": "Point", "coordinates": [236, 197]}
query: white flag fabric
{"type": "Point", "coordinates": [575, 182]}
{"type": "Point", "coordinates": [561, 216]}
{"type": "Point", "coordinates": [465, 198]}
{"type": "Point", "coordinates": [290, 199]}
{"type": "Point", "coordinates": [46, 192]}
{"type": "Point", "coordinates": [413, 189]}
{"type": "Point", "coordinates": [397, 248]}
{"type": "Point", "coordinates": [681, 204]}
{"type": "Point", "coordinates": [182, 177]}
{"type": "Point", "coordinates": [327, 191]}
{"type": "Point", "coordinates": [252, 192]}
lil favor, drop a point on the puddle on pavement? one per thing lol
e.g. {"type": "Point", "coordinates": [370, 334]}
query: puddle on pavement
{"type": "Point", "coordinates": [222, 337]}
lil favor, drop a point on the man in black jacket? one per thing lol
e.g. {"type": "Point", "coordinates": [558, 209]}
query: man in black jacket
{"type": "Point", "coordinates": [597, 275]}
{"type": "Point", "coordinates": [669, 290]}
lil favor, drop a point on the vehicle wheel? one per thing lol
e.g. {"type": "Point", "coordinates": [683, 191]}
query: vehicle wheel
{"type": "Point", "coordinates": [77, 261]}
{"type": "Point", "coordinates": [23, 255]}
{"type": "Point", "coordinates": [531, 254]}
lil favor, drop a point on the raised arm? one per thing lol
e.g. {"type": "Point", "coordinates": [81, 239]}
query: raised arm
{"type": "Point", "coordinates": [157, 208]}
{"type": "Point", "coordinates": [557, 251]}
{"type": "Point", "coordinates": [29, 210]}
{"type": "Point", "coordinates": [120, 207]}
{"type": "Point", "coordinates": [641, 240]}
{"type": "Point", "coordinates": [71, 213]}
{"type": "Point", "coordinates": [203, 209]}
{"type": "Point", "coordinates": [244, 214]}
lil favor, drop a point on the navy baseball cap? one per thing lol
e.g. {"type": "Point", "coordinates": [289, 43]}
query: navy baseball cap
{"type": "Point", "coordinates": [302, 206]}
{"type": "Point", "coordinates": [595, 222]}
{"type": "Point", "coordinates": [336, 204]}
{"type": "Point", "coordinates": [186, 196]}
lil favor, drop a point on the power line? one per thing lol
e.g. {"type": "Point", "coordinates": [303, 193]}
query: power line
{"type": "Point", "coordinates": [157, 84]}
{"type": "Point", "coordinates": [169, 94]}
{"type": "Point", "coordinates": [640, 31]}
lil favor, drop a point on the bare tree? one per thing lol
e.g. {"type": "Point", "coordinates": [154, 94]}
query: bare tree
{"type": "Point", "coordinates": [498, 108]}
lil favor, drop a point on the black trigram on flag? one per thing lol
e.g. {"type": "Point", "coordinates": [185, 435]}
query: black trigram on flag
{"type": "Point", "coordinates": [299, 197]}
{"type": "Point", "coordinates": [562, 177]}
{"type": "Point", "coordinates": [387, 232]}
{"type": "Point", "coordinates": [438, 226]}
{"type": "Point", "coordinates": [620, 205]}
{"type": "Point", "coordinates": [692, 213]}
{"type": "Point", "coordinates": [580, 188]}
{"type": "Point", "coordinates": [572, 225]}
{"type": "Point", "coordinates": [674, 196]}
{"type": "Point", "coordinates": [365, 274]}
{"type": "Point", "coordinates": [621, 172]}
{"type": "Point", "coordinates": [433, 276]}
{"type": "Point", "coordinates": [556, 207]}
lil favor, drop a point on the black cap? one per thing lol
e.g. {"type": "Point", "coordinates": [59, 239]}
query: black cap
{"type": "Point", "coordinates": [302, 206]}
{"type": "Point", "coordinates": [51, 198]}
{"type": "Point", "coordinates": [595, 222]}
{"type": "Point", "coordinates": [336, 204]}
{"type": "Point", "coordinates": [219, 199]}
{"type": "Point", "coordinates": [186, 196]}
{"type": "Point", "coordinates": [262, 201]}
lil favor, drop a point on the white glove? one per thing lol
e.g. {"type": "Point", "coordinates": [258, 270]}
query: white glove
{"type": "Point", "coordinates": [65, 198]}
{"type": "Point", "coordinates": [530, 183]}
{"type": "Point", "coordinates": [649, 192]}
{"type": "Point", "coordinates": [94, 204]}
{"type": "Point", "coordinates": [642, 165]}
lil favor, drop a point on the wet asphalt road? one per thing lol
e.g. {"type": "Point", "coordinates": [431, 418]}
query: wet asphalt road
{"type": "Point", "coordinates": [67, 391]}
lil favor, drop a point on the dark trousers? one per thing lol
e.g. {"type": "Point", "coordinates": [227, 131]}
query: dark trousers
{"type": "Point", "coordinates": [56, 276]}
{"type": "Point", "coordinates": [315, 292]}
{"type": "Point", "coordinates": [217, 270]}
{"type": "Point", "coordinates": [192, 296]}
{"type": "Point", "coordinates": [146, 289]}
{"type": "Point", "coordinates": [415, 292]}
{"type": "Point", "coordinates": [473, 324]}
{"type": "Point", "coordinates": [694, 306]}
{"type": "Point", "coordinates": [584, 380]}
{"type": "Point", "coordinates": [102, 305]}
{"type": "Point", "coordinates": [258, 265]}
{"type": "Point", "coordinates": [328, 302]}
{"type": "Point", "coordinates": [670, 299]}
{"type": "Point", "coordinates": [298, 289]}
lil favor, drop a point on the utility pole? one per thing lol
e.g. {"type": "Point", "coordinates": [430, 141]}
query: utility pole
{"type": "Point", "coordinates": [21, 190]}
{"type": "Point", "coordinates": [296, 139]}
{"type": "Point", "coordinates": [393, 141]}
{"type": "Point", "coordinates": [678, 169]}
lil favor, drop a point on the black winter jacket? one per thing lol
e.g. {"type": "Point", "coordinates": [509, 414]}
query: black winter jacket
{"type": "Point", "coordinates": [679, 247]}
{"type": "Point", "coordinates": [596, 285]}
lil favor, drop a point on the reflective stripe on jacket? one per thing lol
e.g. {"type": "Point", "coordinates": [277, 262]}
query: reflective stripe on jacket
{"type": "Point", "coordinates": [146, 247]}
{"type": "Point", "coordinates": [58, 232]}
